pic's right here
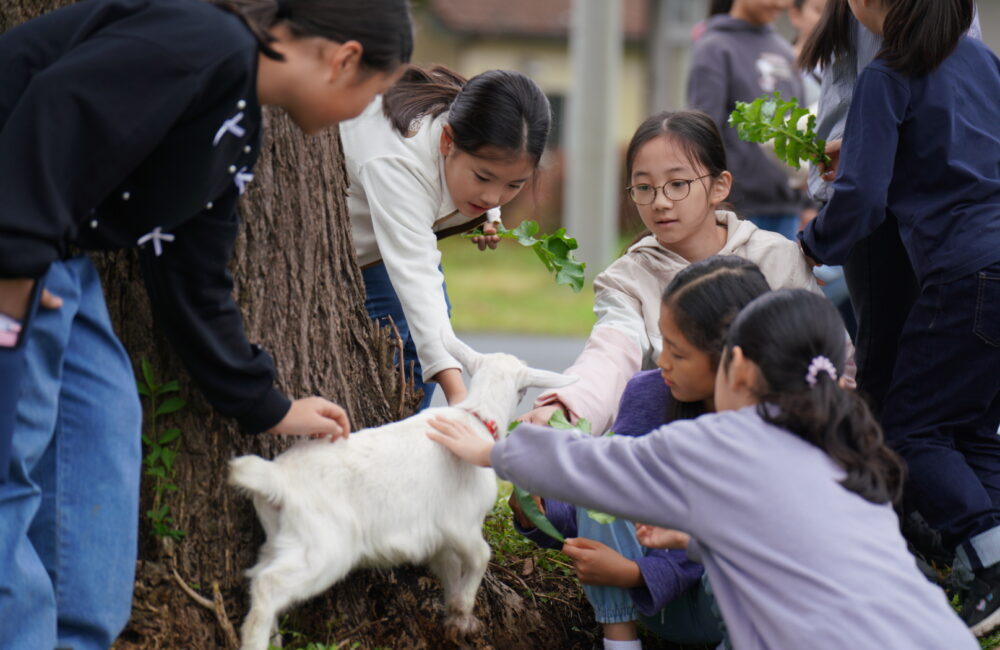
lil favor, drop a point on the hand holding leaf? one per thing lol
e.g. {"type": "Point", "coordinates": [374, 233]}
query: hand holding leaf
{"type": "Point", "coordinates": [773, 118]}
{"type": "Point", "coordinates": [555, 250]}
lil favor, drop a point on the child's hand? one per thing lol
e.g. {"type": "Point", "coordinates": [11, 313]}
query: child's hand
{"type": "Point", "coordinates": [314, 417]}
{"type": "Point", "coordinates": [462, 440]}
{"type": "Point", "coordinates": [656, 537]}
{"type": "Point", "coordinates": [488, 238]}
{"type": "Point", "coordinates": [522, 519]}
{"type": "Point", "coordinates": [541, 415]}
{"type": "Point", "coordinates": [599, 564]}
{"type": "Point", "coordinates": [829, 172]}
{"type": "Point", "coordinates": [15, 293]}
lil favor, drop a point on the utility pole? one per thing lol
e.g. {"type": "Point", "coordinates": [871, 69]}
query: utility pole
{"type": "Point", "coordinates": [591, 190]}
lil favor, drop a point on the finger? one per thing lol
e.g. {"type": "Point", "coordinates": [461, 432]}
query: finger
{"type": "Point", "coordinates": [50, 300]}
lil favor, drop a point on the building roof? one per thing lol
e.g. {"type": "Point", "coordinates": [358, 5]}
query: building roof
{"type": "Point", "coordinates": [535, 18]}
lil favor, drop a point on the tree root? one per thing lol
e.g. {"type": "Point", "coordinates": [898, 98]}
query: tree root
{"type": "Point", "coordinates": [216, 605]}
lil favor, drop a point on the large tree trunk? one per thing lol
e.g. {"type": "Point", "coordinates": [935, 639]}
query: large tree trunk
{"type": "Point", "coordinates": [302, 298]}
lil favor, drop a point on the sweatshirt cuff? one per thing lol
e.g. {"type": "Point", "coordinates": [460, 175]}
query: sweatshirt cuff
{"type": "Point", "coordinates": [265, 413]}
{"type": "Point", "coordinates": [24, 257]}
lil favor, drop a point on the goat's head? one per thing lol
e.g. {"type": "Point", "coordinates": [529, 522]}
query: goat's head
{"type": "Point", "coordinates": [499, 381]}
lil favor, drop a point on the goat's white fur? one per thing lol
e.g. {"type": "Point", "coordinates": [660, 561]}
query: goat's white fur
{"type": "Point", "coordinates": [384, 497]}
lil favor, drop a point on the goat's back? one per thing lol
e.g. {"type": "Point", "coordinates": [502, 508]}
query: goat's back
{"type": "Point", "coordinates": [379, 483]}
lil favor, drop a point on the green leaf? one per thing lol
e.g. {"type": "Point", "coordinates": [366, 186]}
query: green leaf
{"type": "Point", "coordinates": [158, 472]}
{"type": "Point", "coordinates": [531, 511]}
{"type": "Point", "coordinates": [146, 440]}
{"type": "Point", "coordinates": [559, 421]}
{"type": "Point", "coordinates": [170, 387]}
{"type": "Point", "coordinates": [169, 436]}
{"type": "Point", "coordinates": [168, 456]}
{"type": "Point", "coordinates": [525, 232]}
{"type": "Point", "coordinates": [773, 118]}
{"type": "Point", "coordinates": [600, 517]}
{"type": "Point", "coordinates": [171, 405]}
{"type": "Point", "coordinates": [147, 374]}
{"type": "Point", "coordinates": [141, 387]}
{"type": "Point", "coordinates": [153, 455]}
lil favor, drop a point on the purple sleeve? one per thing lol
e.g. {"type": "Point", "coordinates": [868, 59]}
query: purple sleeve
{"type": "Point", "coordinates": [667, 575]}
{"type": "Point", "coordinates": [643, 405]}
{"type": "Point", "coordinates": [563, 517]}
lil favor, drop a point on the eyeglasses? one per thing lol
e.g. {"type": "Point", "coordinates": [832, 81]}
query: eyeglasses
{"type": "Point", "coordinates": [676, 190]}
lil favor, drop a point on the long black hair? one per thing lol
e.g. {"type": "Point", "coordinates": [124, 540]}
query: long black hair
{"type": "Point", "coordinates": [719, 7]}
{"type": "Point", "coordinates": [703, 299]}
{"type": "Point", "coordinates": [695, 131]}
{"type": "Point", "coordinates": [384, 28]}
{"type": "Point", "coordinates": [917, 35]}
{"type": "Point", "coordinates": [787, 334]}
{"type": "Point", "coordinates": [498, 109]}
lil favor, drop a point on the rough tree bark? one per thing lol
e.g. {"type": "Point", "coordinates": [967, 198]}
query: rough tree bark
{"type": "Point", "coordinates": [302, 298]}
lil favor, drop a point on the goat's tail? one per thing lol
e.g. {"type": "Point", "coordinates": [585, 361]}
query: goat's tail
{"type": "Point", "coordinates": [257, 476]}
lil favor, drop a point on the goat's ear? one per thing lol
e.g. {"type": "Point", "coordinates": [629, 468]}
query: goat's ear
{"type": "Point", "coordinates": [547, 379]}
{"type": "Point", "coordinates": [465, 355]}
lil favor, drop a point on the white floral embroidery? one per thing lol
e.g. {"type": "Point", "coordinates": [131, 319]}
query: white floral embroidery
{"type": "Point", "coordinates": [232, 125]}
{"type": "Point", "coordinates": [242, 178]}
{"type": "Point", "coordinates": [156, 235]}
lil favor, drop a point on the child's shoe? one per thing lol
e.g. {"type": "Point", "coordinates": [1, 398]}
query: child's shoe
{"type": "Point", "coordinates": [981, 606]}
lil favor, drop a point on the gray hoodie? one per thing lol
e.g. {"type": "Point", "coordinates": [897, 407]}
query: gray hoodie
{"type": "Point", "coordinates": [734, 61]}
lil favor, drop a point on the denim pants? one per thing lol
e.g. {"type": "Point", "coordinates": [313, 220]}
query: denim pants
{"type": "Point", "coordinates": [381, 301]}
{"type": "Point", "coordinates": [883, 288]}
{"type": "Point", "coordinates": [783, 224]}
{"type": "Point", "coordinates": [943, 408]}
{"type": "Point", "coordinates": [691, 618]}
{"type": "Point", "coordinates": [69, 509]}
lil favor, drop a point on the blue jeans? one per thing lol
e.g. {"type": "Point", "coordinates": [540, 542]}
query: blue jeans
{"type": "Point", "coordinates": [381, 301]}
{"type": "Point", "coordinates": [942, 411]}
{"type": "Point", "coordinates": [69, 510]}
{"type": "Point", "coordinates": [691, 618]}
{"type": "Point", "coordinates": [783, 224]}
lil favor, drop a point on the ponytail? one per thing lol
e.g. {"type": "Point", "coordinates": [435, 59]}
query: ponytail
{"type": "Point", "coordinates": [384, 28]}
{"type": "Point", "coordinates": [787, 334]}
{"type": "Point", "coordinates": [500, 110]}
{"type": "Point", "coordinates": [420, 92]}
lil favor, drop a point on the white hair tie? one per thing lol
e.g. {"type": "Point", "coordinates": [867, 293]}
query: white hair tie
{"type": "Point", "coordinates": [817, 365]}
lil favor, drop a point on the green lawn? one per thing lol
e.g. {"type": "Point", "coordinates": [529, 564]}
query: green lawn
{"type": "Point", "coordinates": [509, 290]}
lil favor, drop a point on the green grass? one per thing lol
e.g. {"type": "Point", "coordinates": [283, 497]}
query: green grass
{"type": "Point", "coordinates": [509, 290]}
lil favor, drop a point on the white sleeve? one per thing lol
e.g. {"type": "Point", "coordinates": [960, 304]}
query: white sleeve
{"type": "Point", "coordinates": [613, 353]}
{"type": "Point", "coordinates": [403, 209]}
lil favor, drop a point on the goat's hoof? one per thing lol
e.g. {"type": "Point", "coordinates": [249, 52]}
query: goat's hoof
{"type": "Point", "coordinates": [460, 626]}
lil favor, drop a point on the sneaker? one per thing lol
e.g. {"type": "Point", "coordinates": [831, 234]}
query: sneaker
{"type": "Point", "coordinates": [981, 606]}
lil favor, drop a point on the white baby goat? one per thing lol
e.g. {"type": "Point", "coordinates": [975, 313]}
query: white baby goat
{"type": "Point", "coordinates": [384, 497]}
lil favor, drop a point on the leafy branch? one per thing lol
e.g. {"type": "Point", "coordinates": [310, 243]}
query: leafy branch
{"type": "Point", "coordinates": [527, 503]}
{"type": "Point", "coordinates": [554, 250]}
{"type": "Point", "coordinates": [161, 448]}
{"type": "Point", "coordinates": [773, 118]}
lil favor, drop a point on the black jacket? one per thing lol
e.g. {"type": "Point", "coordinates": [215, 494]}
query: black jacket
{"type": "Point", "coordinates": [136, 122]}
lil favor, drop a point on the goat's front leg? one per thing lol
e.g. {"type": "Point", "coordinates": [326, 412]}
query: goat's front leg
{"type": "Point", "coordinates": [474, 554]}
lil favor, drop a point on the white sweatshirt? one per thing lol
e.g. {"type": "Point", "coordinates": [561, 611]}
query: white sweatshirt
{"type": "Point", "coordinates": [398, 200]}
{"type": "Point", "coordinates": [626, 337]}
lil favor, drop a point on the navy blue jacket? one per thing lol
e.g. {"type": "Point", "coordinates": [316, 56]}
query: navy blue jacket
{"type": "Point", "coordinates": [927, 149]}
{"type": "Point", "coordinates": [128, 122]}
{"type": "Point", "coordinates": [666, 574]}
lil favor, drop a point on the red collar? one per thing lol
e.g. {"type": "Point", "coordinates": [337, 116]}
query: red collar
{"type": "Point", "coordinates": [490, 425]}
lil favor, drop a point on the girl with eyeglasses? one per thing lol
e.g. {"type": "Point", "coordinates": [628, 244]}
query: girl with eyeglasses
{"type": "Point", "coordinates": [676, 167]}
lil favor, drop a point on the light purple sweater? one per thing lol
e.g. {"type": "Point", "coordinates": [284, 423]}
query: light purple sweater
{"type": "Point", "coordinates": [795, 560]}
